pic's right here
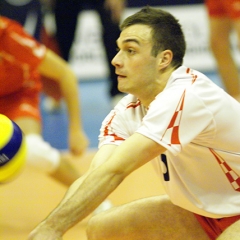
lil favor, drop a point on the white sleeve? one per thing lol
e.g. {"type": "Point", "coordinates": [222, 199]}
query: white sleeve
{"type": "Point", "coordinates": [121, 122]}
{"type": "Point", "coordinates": [175, 121]}
{"type": "Point", "coordinates": [110, 131]}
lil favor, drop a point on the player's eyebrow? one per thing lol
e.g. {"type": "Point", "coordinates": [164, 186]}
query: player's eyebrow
{"type": "Point", "coordinates": [130, 40]}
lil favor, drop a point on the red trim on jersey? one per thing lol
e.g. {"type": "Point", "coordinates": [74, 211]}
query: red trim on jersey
{"type": "Point", "coordinates": [231, 175]}
{"type": "Point", "coordinates": [106, 129]}
{"type": "Point", "coordinates": [175, 122]}
{"type": "Point", "coordinates": [107, 132]}
{"type": "Point", "coordinates": [134, 104]}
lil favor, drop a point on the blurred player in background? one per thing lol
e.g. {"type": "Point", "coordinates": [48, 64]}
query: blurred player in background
{"type": "Point", "coordinates": [30, 13]}
{"type": "Point", "coordinates": [110, 12]}
{"type": "Point", "coordinates": [23, 60]}
{"type": "Point", "coordinates": [55, 74]}
{"type": "Point", "coordinates": [224, 17]}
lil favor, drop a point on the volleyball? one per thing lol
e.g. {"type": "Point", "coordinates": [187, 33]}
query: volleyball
{"type": "Point", "coordinates": [12, 149]}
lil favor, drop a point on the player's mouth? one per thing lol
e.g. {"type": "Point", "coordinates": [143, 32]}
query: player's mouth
{"type": "Point", "coordinates": [121, 76]}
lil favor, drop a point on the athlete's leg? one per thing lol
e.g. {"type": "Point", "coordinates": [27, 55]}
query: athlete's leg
{"type": "Point", "coordinates": [66, 16]}
{"type": "Point", "coordinates": [154, 218]}
{"type": "Point", "coordinates": [62, 171]}
{"type": "Point", "coordinates": [29, 125]}
{"type": "Point", "coordinates": [65, 172]}
{"type": "Point", "coordinates": [220, 29]}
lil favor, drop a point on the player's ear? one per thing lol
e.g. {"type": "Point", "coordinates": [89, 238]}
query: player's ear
{"type": "Point", "coordinates": [165, 58]}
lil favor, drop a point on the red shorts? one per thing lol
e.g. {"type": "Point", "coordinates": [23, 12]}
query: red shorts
{"type": "Point", "coordinates": [24, 103]}
{"type": "Point", "coordinates": [214, 227]}
{"type": "Point", "coordinates": [223, 8]}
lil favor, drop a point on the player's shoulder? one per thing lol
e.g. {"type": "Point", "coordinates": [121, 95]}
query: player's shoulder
{"type": "Point", "coordinates": [130, 108]}
{"type": "Point", "coordinates": [184, 72]}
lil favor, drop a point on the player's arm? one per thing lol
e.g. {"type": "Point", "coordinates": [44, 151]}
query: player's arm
{"type": "Point", "coordinates": [100, 157]}
{"type": "Point", "coordinates": [56, 68]}
{"type": "Point", "coordinates": [231, 233]}
{"type": "Point", "coordinates": [130, 155]}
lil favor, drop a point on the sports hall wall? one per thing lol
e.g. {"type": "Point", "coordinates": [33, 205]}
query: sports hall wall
{"type": "Point", "coordinates": [88, 52]}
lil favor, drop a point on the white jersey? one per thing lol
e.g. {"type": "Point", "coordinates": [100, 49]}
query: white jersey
{"type": "Point", "coordinates": [199, 125]}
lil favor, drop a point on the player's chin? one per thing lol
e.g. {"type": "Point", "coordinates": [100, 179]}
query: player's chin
{"type": "Point", "coordinates": [123, 87]}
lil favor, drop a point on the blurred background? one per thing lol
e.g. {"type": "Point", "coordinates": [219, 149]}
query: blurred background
{"type": "Point", "coordinates": [88, 56]}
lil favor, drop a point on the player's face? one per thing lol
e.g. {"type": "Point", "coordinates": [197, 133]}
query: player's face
{"type": "Point", "coordinates": [135, 66]}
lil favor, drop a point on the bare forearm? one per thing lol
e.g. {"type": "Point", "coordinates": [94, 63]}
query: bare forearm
{"type": "Point", "coordinates": [78, 141]}
{"type": "Point", "coordinates": [57, 69]}
{"type": "Point", "coordinates": [69, 88]}
{"type": "Point", "coordinates": [94, 190]}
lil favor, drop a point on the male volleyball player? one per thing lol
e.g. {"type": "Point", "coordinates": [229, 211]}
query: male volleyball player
{"type": "Point", "coordinates": [172, 113]}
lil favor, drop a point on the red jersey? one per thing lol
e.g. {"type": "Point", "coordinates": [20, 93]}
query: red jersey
{"type": "Point", "coordinates": [223, 8]}
{"type": "Point", "coordinates": [20, 56]}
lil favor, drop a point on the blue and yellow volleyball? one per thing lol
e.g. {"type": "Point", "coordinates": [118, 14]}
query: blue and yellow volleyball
{"type": "Point", "coordinates": [12, 149]}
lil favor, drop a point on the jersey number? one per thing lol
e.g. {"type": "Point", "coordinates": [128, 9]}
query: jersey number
{"type": "Point", "coordinates": [165, 168]}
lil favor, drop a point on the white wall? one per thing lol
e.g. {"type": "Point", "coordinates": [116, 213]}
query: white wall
{"type": "Point", "coordinates": [88, 54]}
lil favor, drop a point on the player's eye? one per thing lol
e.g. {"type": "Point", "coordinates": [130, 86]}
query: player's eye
{"type": "Point", "coordinates": [131, 51]}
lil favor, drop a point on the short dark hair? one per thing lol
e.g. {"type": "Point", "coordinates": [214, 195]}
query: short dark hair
{"type": "Point", "coordinates": [167, 33]}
